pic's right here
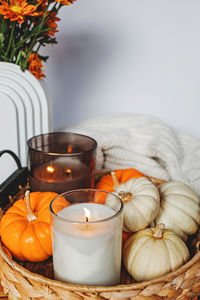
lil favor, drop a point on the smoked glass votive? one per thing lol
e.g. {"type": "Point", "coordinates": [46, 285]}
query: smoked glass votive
{"type": "Point", "coordinates": [86, 237]}
{"type": "Point", "coordinates": [61, 161]}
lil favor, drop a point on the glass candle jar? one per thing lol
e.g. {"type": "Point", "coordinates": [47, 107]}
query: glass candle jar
{"type": "Point", "coordinates": [86, 237]}
{"type": "Point", "coordinates": [61, 161]}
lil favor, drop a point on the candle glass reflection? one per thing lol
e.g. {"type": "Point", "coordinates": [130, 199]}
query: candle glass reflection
{"type": "Point", "coordinates": [61, 161]}
{"type": "Point", "coordinates": [86, 237]}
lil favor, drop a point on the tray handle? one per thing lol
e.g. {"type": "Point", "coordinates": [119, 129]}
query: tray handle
{"type": "Point", "coordinates": [14, 156]}
{"type": "Point", "coordinates": [12, 184]}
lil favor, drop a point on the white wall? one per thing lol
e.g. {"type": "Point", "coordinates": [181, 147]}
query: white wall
{"type": "Point", "coordinates": [119, 56]}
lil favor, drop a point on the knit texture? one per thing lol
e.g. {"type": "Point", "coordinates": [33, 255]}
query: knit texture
{"type": "Point", "coordinates": [145, 143]}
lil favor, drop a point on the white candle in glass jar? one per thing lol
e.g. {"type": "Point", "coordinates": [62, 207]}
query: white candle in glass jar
{"type": "Point", "coordinates": [88, 252]}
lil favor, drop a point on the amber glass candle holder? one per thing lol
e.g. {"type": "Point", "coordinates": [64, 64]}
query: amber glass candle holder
{"type": "Point", "coordinates": [61, 161]}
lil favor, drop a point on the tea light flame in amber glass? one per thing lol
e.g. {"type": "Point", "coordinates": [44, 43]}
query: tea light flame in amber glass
{"type": "Point", "coordinates": [50, 169]}
{"type": "Point", "coordinates": [68, 171]}
{"type": "Point", "coordinates": [69, 149]}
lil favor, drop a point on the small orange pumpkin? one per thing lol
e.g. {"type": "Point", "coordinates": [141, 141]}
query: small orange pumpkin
{"type": "Point", "coordinates": [109, 182]}
{"type": "Point", "coordinates": [25, 227]}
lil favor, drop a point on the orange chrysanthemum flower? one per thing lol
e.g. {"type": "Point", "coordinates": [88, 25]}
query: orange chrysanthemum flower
{"type": "Point", "coordinates": [16, 10]}
{"type": "Point", "coordinates": [42, 5]}
{"type": "Point", "coordinates": [51, 23]}
{"type": "Point", "coordinates": [65, 2]}
{"type": "Point", "coordinates": [35, 65]}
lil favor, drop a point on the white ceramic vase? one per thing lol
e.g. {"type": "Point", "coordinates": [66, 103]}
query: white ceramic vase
{"type": "Point", "coordinates": [25, 111]}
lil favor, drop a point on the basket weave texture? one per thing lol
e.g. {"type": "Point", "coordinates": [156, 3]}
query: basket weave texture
{"type": "Point", "coordinates": [21, 283]}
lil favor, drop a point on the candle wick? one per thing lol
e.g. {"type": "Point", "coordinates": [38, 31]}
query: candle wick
{"type": "Point", "coordinates": [86, 219]}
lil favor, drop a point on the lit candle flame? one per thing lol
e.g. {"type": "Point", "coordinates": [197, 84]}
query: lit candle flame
{"type": "Point", "coordinates": [87, 214]}
{"type": "Point", "coordinates": [50, 169]}
{"type": "Point", "coordinates": [68, 171]}
{"type": "Point", "coordinates": [69, 149]}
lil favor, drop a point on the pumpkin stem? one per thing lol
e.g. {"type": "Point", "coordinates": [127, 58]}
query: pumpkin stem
{"type": "Point", "coordinates": [30, 215]}
{"type": "Point", "coordinates": [125, 196]}
{"type": "Point", "coordinates": [115, 180]}
{"type": "Point", "coordinates": [158, 233]}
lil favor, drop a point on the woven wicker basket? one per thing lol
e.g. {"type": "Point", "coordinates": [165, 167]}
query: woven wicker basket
{"type": "Point", "coordinates": [21, 281]}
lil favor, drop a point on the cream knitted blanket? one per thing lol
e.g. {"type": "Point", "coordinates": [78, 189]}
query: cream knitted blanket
{"type": "Point", "coordinates": [145, 143]}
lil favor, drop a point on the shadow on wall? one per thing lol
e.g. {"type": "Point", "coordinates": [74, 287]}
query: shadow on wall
{"type": "Point", "coordinates": [73, 66]}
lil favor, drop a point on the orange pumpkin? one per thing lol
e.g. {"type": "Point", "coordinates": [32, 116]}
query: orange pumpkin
{"type": "Point", "coordinates": [126, 236]}
{"type": "Point", "coordinates": [110, 181]}
{"type": "Point", "coordinates": [25, 227]}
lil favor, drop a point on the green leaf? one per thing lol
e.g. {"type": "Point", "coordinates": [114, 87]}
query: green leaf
{"type": "Point", "coordinates": [2, 38]}
{"type": "Point", "coordinates": [44, 58]}
{"type": "Point", "coordinates": [4, 26]}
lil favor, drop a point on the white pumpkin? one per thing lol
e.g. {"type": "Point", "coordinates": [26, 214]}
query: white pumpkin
{"type": "Point", "coordinates": [154, 252]}
{"type": "Point", "coordinates": [141, 203]}
{"type": "Point", "coordinates": [179, 208]}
